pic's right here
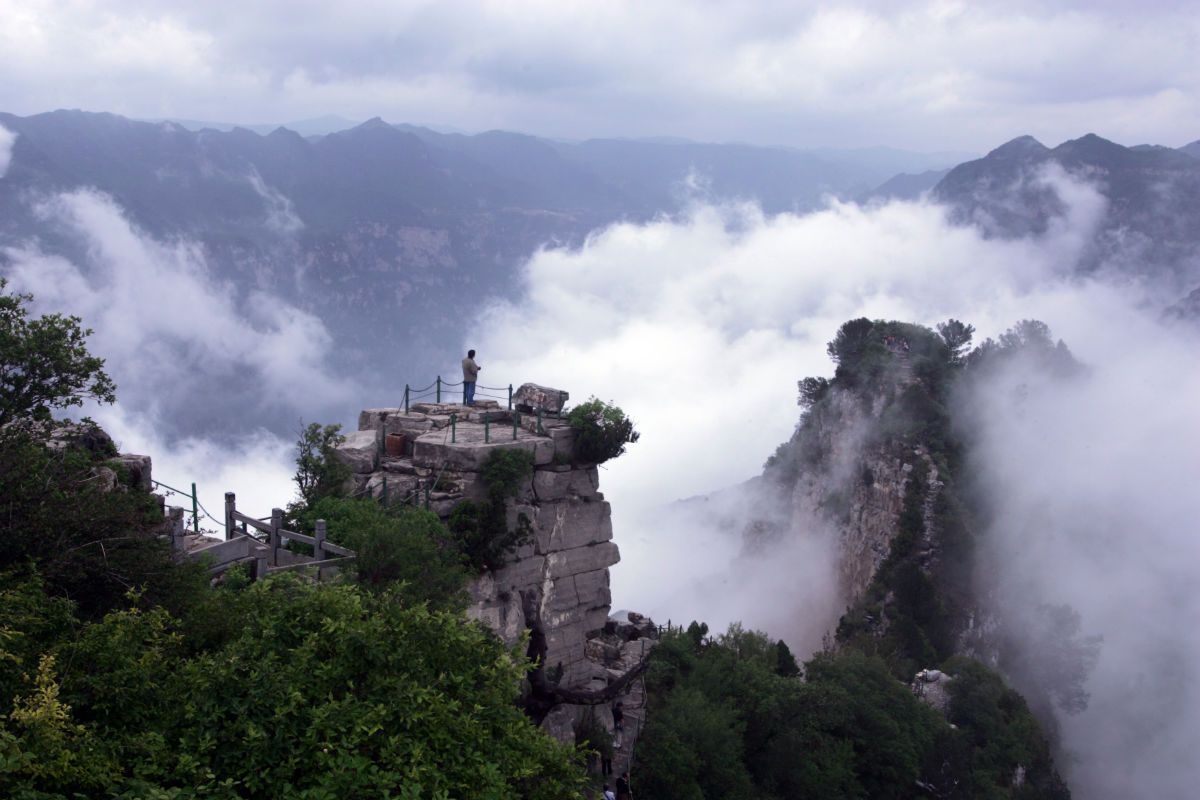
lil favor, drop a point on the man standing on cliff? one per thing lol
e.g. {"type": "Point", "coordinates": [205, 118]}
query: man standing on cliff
{"type": "Point", "coordinates": [470, 373]}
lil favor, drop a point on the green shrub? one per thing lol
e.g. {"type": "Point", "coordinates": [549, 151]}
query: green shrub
{"type": "Point", "coordinates": [318, 472]}
{"type": "Point", "coordinates": [481, 528]}
{"type": "Point", "coordinates": [406, 550]}
{"type": "Point", "coordinates": [601, 431]}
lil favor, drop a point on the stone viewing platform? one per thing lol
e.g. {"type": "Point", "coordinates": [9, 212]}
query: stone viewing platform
{"type": "Point", "coordinates": [557, 585]}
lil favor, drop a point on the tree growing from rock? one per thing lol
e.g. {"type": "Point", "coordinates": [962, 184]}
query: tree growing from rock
{"type": "Point", "coordinates": [45, 363]}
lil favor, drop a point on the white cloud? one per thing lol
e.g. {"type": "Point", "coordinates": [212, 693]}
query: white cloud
{"type": "Point", "coordinates": [1092, 485]}
{"type": "Point", "coordinates": [181, 345]}
{"type": "Point", "coordinates": [7, 138]}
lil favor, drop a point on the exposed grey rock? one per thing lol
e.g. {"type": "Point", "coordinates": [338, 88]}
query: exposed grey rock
{"type": "Point", "coordinates": [582, 559]}
{"type": "Point", "coordinates": [374, 419]}
{"type": "Point", "coordinates": [105, 478]}
{"type": "Point", "coordinates": [470, 452]}
{"type": "Point", "coordinates": [63, 435]}
{"type": "Point", "coordinates": [532, 397]}
{"type": "Point", "coordinates": [137, 468]}
{"type": "Point", "coordinates": [559, 724]}
{"type": "Point", "coordinates": [551, 485]}
{"type": "Point", "coordinates": [933, 688]}
{"type": "Point", "coordinates": [360, 451]}
{"type": "Point", "coordinates": [570, 523]}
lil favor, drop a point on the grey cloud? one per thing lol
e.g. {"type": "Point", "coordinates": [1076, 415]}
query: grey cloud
{"type": "Point", "coordinates": [7, 138]}
{"type": "Point", "coordinates": [925, 75]}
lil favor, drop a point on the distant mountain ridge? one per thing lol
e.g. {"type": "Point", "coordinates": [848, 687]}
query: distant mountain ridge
{"type": "Point", "coordinates": [1149, 225]}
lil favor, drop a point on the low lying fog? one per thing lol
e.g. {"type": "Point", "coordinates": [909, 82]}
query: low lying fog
{"type": "Point", "coordinates": [699, 328]}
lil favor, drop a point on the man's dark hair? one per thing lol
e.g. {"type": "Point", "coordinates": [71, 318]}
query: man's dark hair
{"type": "Point", "coordinates": [470, 354]}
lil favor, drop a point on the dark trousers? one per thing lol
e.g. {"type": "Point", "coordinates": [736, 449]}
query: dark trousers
{"type": "Point", "coordinates": [468, 393]}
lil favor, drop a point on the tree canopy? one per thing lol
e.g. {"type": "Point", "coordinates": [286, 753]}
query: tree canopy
{"type": "Point", "coordinates": [45, 363]}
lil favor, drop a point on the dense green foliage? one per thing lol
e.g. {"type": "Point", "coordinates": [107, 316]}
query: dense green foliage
{"type": "Point", "coordinates": [318, 472]}
{"type": "Point", "coordinates": [601, 431]}
{"type": "Point", "coordinates": [482, 529]}
{"type": "Point", "coordinates": [317, 692]}
{"type": "Point", "coordinates": [725, 723]}
{"type": "Point", "coordinates": [405, 550]}
{"type": "Point", "coordinates": [44, 363]}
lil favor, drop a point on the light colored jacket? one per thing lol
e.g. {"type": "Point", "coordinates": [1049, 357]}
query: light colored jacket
{"type": "Point", "coordinates": [470, 370]}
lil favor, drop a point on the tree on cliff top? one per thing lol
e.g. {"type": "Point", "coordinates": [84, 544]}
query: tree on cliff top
{"type": "Point", "coordinates": [45, 363]}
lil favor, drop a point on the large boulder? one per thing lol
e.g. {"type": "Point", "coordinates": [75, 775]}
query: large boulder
{"type": "Point", "coordinates": [136, 469]}
{"type": "Point", "coordinates": [67, 435]}
{"type": "Point", "coordinates": [932, 687]}
{"type": "Point", "coordinates": [530, 397]}
{"type": "Point", "coordinates": [359, 452]}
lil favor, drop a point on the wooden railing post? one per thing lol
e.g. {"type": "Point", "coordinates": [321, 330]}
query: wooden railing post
{"type": "Point", "coordinates": [319, 545]}
{"type": "Point", "coordinates": [276, 536]}
{"type": "Point", "coordinates": [230, 507]}
{"type": "Point", "coordinates": [260, 568]}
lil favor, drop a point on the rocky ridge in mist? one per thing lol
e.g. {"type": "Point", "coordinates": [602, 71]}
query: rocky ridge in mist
{"type": "Point", "coordinates": [877, 461]}
{"type": "Point", "coordinates": [1147, 228]}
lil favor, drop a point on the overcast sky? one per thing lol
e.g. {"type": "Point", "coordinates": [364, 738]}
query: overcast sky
{"type": "Point", "coordinates": [936, 75]}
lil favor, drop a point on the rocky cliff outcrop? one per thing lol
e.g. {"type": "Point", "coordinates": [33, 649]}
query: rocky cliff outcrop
{"type": "Point", "coordinates": [555, 588]}
{"type": "Point", "coordinates": [847, 467]}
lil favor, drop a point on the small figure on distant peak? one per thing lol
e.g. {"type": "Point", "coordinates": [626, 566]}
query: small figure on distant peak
{"type": "Point", "coordinates": [470, 374]}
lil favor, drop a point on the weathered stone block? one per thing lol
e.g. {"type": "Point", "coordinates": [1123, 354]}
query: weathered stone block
{"type": "Point", "coordinates": [360, 451]}
{"type": "Point", "coordinates": [571, 523]}
{"type": "Point", "coordinates": [375, 419]}
{"type": "Point", "coordinates": [559, 724]}
{"type": "Point", "coordinates": [582, 559]}
{"type": "Point", "coordinates": [561, 595]}
{"type": "Point", "coordinates": [592, 587]}
{"type": "Point", "coordinates": [470, 452]}
{"type": "Point", "coordinates": [137, 468]}
{"type": "Point", "coordinates": [554, 485]}
{"type": "Point", "coordinates": [531, 397]}
{"type": "Point", "coordinates": [408, 424]}
{"type": "Point", "coordinates": [527, 572]}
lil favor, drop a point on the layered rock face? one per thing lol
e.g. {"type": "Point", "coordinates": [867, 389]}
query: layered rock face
{"type": "Point", "coordinates": [856, 481]}
{"type": "Point", "coordinates": [556, 586]}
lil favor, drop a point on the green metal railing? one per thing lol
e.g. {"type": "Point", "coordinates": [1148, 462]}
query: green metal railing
{"type": "Point", "coordinates": [192, 495]}
{"type": "Point", "coordinates": [434, 392]}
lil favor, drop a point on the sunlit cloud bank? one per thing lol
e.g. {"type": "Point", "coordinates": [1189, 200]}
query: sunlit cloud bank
{"type": "Point", "coordinates": [700, 327]}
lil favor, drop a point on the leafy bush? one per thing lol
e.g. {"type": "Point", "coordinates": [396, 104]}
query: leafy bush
{"type": "Point", "coordinates": [481, 529]}
{"type": "Point", "coordinates": [601, 431]}
{"type": "Point", "coordinates": [407, 551]}
{"type": "Point", "coordinates": [318, 472]}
